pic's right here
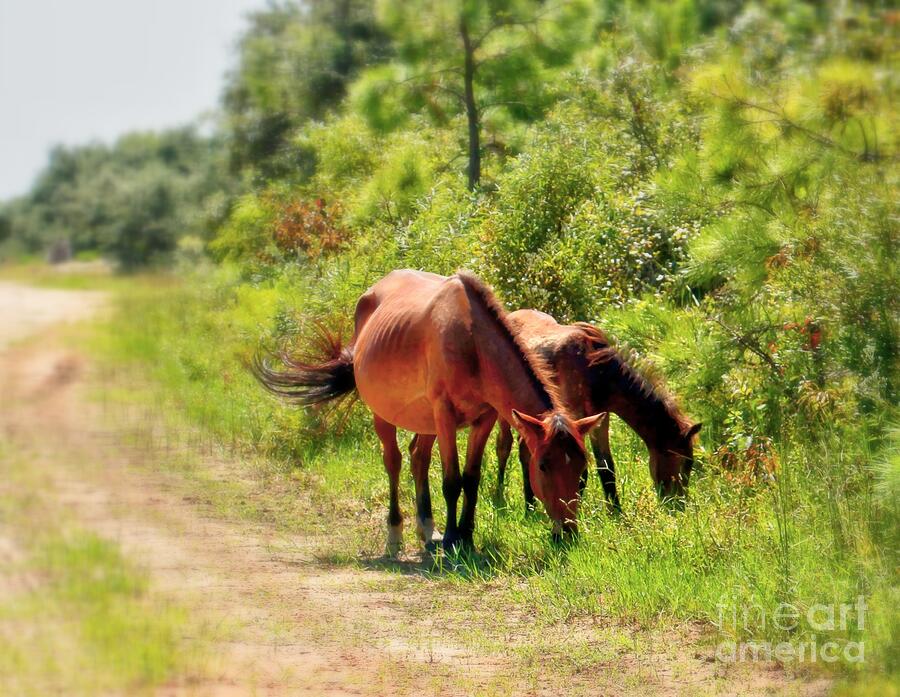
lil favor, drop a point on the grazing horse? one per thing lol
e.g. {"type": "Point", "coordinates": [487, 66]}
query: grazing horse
{"type": "Point", "coordinates": [432, 354]}
{"type": "Point", "coordinates": [592, 377]}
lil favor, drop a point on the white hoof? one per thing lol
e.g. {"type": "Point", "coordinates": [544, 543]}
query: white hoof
{"type": "Point", "coordinates": [394, 540]}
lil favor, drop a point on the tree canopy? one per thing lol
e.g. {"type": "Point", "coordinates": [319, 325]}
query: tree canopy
{"type": "Point", "coordinates": [131, 200]}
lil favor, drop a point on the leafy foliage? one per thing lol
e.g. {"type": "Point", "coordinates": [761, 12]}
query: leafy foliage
{"type": "Point", "coordinates": [296, 60]}
{"type": "Point", "coordinates": [310, 228]}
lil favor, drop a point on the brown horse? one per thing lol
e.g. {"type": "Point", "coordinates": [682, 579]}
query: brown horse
{"type": "Point", "coordinates": [592, 377]}
{"type": "Point", "coordinates": [432, 354]}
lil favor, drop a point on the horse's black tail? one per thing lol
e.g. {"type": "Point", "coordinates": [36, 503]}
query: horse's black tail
{"type": "Point", "coordinates": [326, 378]}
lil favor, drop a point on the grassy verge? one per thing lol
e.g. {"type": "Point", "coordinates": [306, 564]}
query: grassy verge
{"type": "Point", "coordinates": [819, 536]}
{"type": "Point", "coordinates": [76, 617]}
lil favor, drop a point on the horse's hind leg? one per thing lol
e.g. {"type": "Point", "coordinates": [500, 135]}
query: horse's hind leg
{"type": "Point", "coordinates": [420, 456]}
{"type": "Point", "coordinates": [478, 436]}
{"type": "Point", "coordinates": [504, 448]}
{"type": "Point", "coordinates": [606, 468]}
{"type": "Point", "coordinates": [387, 434]}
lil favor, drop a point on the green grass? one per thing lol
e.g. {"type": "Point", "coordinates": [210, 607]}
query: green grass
{"type": "Point", "coordinates": [820, 534]}
{"type": "Point", "coordinates": [76, 617]}
{"type": "Point", "coordinates": [90, 625]}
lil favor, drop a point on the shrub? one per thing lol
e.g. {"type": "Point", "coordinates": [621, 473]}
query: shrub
{"type": "Point", "coordinates": [311, 229]}
{"type": "Point", "coordinates": [246, 234]}
{"type": "Point", "coordinates": [576, 226]}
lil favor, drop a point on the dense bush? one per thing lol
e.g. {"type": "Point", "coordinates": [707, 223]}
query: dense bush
{"type": "Point", "coordinates": [587, 223]}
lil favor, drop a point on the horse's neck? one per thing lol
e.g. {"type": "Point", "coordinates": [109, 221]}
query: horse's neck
{"type": "Point", "coordinates": [623, 394]}
{"type": "Point", "coordinates": [627, 408]}
{"type": "Point", "coordinates": [510, 382]}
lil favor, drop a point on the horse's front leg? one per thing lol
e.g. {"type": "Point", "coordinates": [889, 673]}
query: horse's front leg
{"type": "Point", "coordinates": [420, 457]}
{"type": "Point", "coordinates": [471, 478]}
{"type": "Point", "coordinates": [445, 425]}
{"type": "Point", "coordinates": [606, 468]}
{"type": "Point", "coordinates": [504, 448]}
{"type": "Point", "coordinates": [525, 459]}
{"type": "Point", "coordinates": [387, 434]}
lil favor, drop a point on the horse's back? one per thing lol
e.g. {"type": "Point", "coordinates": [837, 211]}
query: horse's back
{"type": "Point", "coordinates": [564, 347]}
{"type": "Point", "coordinates": [544, 335]}
{"type": "Point", "coordinates": [402, 321]}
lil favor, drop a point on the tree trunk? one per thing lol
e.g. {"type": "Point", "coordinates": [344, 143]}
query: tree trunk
{"type": "Point", "coordinates": [344, 64]}
{"type": "Point", "coordinates": [474, 169]}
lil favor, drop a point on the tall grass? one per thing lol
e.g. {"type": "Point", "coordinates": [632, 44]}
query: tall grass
{"type": "Point", "coordinates": [822, 531]}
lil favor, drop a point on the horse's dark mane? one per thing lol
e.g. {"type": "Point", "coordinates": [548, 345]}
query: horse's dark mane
{"type": "Point", "coordinates": [537, 369]}
{"type": "Point", "coordinates": [635, 377]}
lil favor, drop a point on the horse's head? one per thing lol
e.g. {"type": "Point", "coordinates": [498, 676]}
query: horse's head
{"type": "Point", "coordinates": [671, 462]}
{"type": "Point", "coordinates": [556, 446]}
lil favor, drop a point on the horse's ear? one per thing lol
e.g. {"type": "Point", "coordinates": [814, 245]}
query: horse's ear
{"type": "Point", "coordinates": [588, 422]}
{"type": "Point", "coordinates": [530, 427]}
{"type": "Point", "coordinates": [692, 431]}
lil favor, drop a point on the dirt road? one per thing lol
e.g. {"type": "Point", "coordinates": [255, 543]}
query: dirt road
{"type": "Point", "coordinates": [286, 622]}
{"type": "Point", "coordinates": [25, 310]}
{"type": "Point", "coordinates": [243, 577]}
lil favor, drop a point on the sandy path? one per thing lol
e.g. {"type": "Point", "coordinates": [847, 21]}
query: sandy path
{"type": "Point", "coordinates": [235, 579]}
{"type": "Point", "coordinates": [25, 310]}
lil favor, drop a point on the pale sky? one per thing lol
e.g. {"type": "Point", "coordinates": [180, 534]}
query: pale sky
{"type": "Point", "coordinates": [72, 71]}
